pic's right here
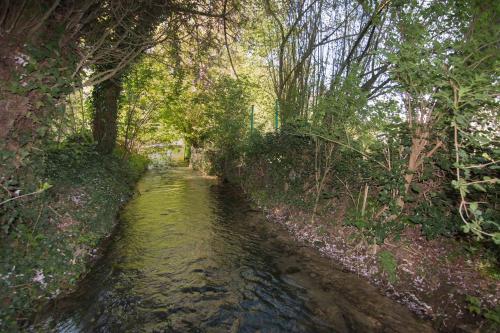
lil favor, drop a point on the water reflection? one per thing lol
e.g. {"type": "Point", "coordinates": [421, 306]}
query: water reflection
{"type": "Point", "coordinates": [191, 257]}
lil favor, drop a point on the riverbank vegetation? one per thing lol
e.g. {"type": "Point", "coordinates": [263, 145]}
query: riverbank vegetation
{"type": "Point", "coordinates": [49, 241]}
{"type": "Point", "coordinates": [370, 127]}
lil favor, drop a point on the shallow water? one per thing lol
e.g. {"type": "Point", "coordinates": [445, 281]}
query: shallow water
{"type": "Point", "coordinates": [191, 256]}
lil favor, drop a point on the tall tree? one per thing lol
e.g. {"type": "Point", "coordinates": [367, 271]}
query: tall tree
{"type": "Point", "coordinates": [130, 28]}
{"type": "Point", "coordinates": [136, 31]}
{"type": "Point", "coordinates": [105, 100]}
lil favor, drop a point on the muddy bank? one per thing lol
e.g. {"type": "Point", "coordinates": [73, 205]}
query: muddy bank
{"type": "Point", "coordinates": [431, 277]}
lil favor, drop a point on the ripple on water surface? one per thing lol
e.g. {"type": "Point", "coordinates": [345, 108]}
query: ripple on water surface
{"type": "Point", "coordinates": [190, 256]}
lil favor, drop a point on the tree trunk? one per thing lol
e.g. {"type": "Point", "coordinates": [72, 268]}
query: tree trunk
{"type": "Point", "coordinates": [105, 99]}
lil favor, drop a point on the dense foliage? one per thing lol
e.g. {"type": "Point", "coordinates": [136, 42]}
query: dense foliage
{"type": "Point", "coordinates": [386, 111]}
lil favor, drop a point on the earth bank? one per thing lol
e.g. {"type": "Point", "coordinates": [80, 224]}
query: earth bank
{"type": "Point", "coordinates": [439, 279]}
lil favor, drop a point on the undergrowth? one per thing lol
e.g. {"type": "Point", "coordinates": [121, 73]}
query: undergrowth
{"type": "Point", "coordinates": [284, 170]}
{"type": "Point", "coordinates": [388, 264]}
{"type": "Point", "coordinates": [52, 236]}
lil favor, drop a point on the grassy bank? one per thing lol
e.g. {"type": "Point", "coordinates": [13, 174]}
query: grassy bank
{"type": "Point", "coordinates": [54, 235]}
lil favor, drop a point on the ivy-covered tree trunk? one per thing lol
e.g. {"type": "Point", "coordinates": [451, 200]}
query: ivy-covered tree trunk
{"type": "Point", "coordinates": [105, 99]}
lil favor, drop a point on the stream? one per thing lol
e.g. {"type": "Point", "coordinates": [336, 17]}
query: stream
{"type": "Point", "coordinates": [190, 255]}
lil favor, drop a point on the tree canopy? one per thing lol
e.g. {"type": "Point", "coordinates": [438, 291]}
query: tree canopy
{"type": "Point", "coordinates": [411, 86]}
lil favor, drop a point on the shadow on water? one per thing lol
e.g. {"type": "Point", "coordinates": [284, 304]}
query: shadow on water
{"type": "Point", "coordinates": [190, 256]}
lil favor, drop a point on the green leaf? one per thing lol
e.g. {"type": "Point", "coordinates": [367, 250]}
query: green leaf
{"type": "Point", "coordinates": [496, 238]}
{"type": "Point", "coordinates": [474, 304]}
{"type": "Point", "coordinates": [487, 157]}
{"type": "Point", "coordinates": [417, 188]}
{"type": "Point", "coordinates": [479, 187]}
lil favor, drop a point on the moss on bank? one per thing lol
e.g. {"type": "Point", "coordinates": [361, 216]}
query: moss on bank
{"type": "Point", "coordinates": [55, 235]}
